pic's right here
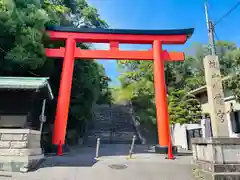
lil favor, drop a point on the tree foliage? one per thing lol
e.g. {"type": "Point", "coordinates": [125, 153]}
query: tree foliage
{"type": "Point", "coordinates": [233, 82]}
{"type": "Point", "coordinates": [22, 42]}
{"type": "Point", "coordinates": [183, 107]}
{"type": "Point", "coordinates": [137, 82]}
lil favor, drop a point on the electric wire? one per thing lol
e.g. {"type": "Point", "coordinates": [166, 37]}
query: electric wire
{"type": "Point", "coordinates": [227, 14]}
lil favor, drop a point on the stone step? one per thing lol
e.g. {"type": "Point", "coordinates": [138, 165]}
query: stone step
{"type": "Point", "coordinates": [107, 119]}
{"type": "Point", "coordinates": [114, 130]}
{"type": "Point", "coordinates": [93, 142]}
{"type": "Point", "coordinates": [108, 139]}
{"type": "Point", "coordinates": [130, 127]}
{"type": "Point", "coordinates": [113, 125]}
{"type": "Point", "coordinates": [125, 114]}
{"type": "Point", "coordinates": [117, 134]}
{"type": "Point", "coordinates": [104, 140]}
{"type": "Point", "coordinates": [109, 135]}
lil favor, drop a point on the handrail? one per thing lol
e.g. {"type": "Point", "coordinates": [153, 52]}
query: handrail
{"type": "Point", "coordinates": [136, 122]}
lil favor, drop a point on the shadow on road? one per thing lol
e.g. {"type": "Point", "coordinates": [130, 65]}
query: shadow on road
{"type": "Point", "coordinates": [73, 159]}
{"type": "Point", "coordinates": [85, 156]}
{"type": "Point", "coordinates": [67, 161]}
{"type": "Point", "coordinates": [122, 149]}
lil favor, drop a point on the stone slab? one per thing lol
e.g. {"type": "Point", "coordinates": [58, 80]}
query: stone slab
{"type": "Point", "coordinates": [19, 137]}
{"type": "Point", "coordinates": [19, 131]}
{"type": "Point", "coordinates": [218, 141]}
{"type": "Point", "coordinates": [20, 158]}
{"type": "Point", "coordinates": [13, 137]}
{"type": "Point", "coordinates": [34, 137]}
{"type": "Point", "coordinates": [19, 144]}
{"type": "Point", "coordinates": [20, 152]}
{"type": "Point", "coordinates": [218, 168]}
{"type": "Point", "coordinates": [5, 144]}
{"type": "Point", "coordinates": [206, 175]}
{"type": "Point", "coordinates": [34, 144]}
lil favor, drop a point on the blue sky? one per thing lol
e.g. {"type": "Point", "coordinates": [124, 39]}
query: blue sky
{"type": "Point", "coordinates": [167, 14]}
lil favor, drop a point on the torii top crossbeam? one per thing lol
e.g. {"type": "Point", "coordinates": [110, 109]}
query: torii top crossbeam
{"type": "Point", "coordinates": [173, 36]}
{"type": "Point", "coordinates": [115, 37]}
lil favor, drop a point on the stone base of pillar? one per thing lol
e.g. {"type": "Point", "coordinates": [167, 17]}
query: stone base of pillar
{"type": "Point", "coordinates": [164, 149]}
{"type": "Point", "coordinates": [20, 150]}
{"type": "Point", "coordinates": [216, 158]}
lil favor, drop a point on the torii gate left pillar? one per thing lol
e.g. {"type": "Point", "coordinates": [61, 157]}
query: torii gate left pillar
{"type": "Point", "coordinates": [114, 37]}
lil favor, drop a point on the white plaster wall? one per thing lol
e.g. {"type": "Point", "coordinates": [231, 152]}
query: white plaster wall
{"type": "Point", "coordinates": [192, 126]}
{"type": "Point", "coordinates": [179, 134]}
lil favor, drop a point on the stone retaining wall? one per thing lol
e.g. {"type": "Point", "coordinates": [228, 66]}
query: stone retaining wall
{"type": "Point", "coordinates": [216, 158]}
{"type": "Point", "coordinates": [19, 148]}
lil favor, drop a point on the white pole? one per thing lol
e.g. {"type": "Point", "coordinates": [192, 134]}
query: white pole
{"type": "Point", "coordinates": [132, 146]}
{"type": "Point", "coordinates": [97, 148]}
{"type": "Point", "coordinates": [42, 116]}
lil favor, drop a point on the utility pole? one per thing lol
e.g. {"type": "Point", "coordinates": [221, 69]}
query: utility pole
{"type": "Point", "coordinates": [214, 86]}
{"type": "Point", "coordinates": [210, 28]}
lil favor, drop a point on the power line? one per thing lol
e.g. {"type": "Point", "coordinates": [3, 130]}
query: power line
{"type": "Point", "coordinates": [229, 12]}
{"type": "Point", "coordinates": [215, 34]}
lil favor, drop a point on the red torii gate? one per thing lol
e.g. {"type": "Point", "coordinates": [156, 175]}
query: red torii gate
{"type": "Point", "coordinates": [114, 37]}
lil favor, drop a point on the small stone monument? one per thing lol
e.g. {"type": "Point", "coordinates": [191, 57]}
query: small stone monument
{"type": "Point", "coordinates": [20, 124]}
{"type": "Point", "coordinates": [217, 157]}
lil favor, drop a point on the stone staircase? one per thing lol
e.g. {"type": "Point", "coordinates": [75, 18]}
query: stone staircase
{"type": "Point", "coordinates": [113, 125]}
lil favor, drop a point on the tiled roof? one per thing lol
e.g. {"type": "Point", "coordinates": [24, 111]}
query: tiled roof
{"type": "Point", "coordinates": [25, 83]}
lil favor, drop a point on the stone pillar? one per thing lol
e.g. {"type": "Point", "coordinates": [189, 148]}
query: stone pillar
{"type": "Point", "coordinates": [215, 97]}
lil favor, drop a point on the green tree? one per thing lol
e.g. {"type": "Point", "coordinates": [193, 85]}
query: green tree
{"type": "Point", "coordinates": [233, 83]}
{"type": "Point", "coordinates": [105, 96]}
{"type": "Point", "coordinates": [183, 107]}
{"type": "Point", "coordinates": [192, 67]}
{"type": "Point", "coordinates": [137, 81]}
{"type": "Point", "coordinates": [23, 38]}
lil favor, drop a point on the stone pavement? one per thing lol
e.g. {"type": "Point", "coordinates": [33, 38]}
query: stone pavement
{"type": "Point", "coordinates": [113, 164]}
